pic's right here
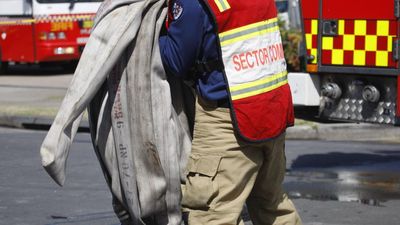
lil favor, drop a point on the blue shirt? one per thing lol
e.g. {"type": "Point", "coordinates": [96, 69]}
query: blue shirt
{"type": "Point", "coordinates": [191, 36]}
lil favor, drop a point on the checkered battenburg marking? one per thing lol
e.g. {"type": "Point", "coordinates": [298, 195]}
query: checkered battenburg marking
{"type": "Point", "coordinates": [46, 19]}
{"type": "Point", "coordinates": [358, 43]}
{"type": "Point", "coordinates": [311, 33]}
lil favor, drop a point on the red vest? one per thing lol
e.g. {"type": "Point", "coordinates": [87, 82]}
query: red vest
{"type": "Point", "coordinates": [254, 67]}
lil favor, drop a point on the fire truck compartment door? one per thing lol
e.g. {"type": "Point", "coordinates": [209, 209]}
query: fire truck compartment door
{"type": "Point", "coordinates": [359, 33]}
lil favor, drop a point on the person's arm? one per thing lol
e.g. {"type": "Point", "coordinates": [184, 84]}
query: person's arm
{"type": "Point", "coordinates": [180, 46]}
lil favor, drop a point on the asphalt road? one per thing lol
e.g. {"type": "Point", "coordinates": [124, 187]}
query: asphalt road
{"type": "Point", "coordinates": [28, 196]}
{"type": "Point", "coordinates": [337, 182]}
{"type": "Point", "coordinates": [331, 183]}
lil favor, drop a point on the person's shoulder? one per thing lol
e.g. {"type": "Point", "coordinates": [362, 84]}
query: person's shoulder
{"type": "Point", "coordinates": [180, 7]}
{"type": "Point", "coordinates": [185, 3]}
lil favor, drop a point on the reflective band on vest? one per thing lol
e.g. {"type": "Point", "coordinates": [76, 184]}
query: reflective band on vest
{"type": "Point", "coordinates": [222, 5]}
{"type": "Point", "coordinates": [260, 86]}
{"type": "Point", "coordinates": [254, 66]}
{"type": "Point", "coordinates": [249, 31]}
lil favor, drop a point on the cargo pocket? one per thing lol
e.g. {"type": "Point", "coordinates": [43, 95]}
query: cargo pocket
{"type": "Point", "coordinates": [201, 186]}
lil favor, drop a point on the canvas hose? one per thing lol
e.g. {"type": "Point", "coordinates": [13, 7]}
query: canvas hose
{"type": "Point", "coordinates": [138, 122]}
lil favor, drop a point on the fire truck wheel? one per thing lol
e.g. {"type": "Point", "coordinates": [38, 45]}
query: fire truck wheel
{"type": "Point", "coordinates": [70, 66]}
{"type": "Point", "coordinates": [3, 67]}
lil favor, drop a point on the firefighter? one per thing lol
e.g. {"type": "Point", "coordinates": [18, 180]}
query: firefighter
{"type": "Point", "coordinates": [232, 51]}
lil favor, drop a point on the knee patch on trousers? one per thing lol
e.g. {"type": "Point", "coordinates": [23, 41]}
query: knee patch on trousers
{"type": "Point", "coordinates": [200, 187]}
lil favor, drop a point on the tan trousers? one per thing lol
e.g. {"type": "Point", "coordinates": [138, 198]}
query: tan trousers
{"type": "Point", "coordinates": [224, 173]}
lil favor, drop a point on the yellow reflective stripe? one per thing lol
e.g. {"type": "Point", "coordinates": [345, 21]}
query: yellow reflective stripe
{"type": "Point", "coordinates": [359, 57]}
{"type": "Point", "coordinates": [8, 22]}
{"type": "Point", "coordinates": [314, 26]}
{"type": "Point", "coordinates": [327, 43]}
{"type": "Point", "coordinates": [382, 28]}
{"type": "Point", "coordinates": [337, 56]}
{"type": "Point", "coordinates": [341, 27]}
{"type": "Point", "coordinates": [314, 52]}
{"type": "Point", "coordinates": [83, 17]}
{"type": "Point", "coordinates": [349, 42]}
{"type": "Point", "coordinates": [17, 22]}
{"type": "Point", "coordinates": [371, 41]}
{"type": "Point", "coordinates": [258, 87]}
{"type": "Point", "coordinates": [248, 31]}
{"type": "Point", "coordinates": [309, 41]}
{"type": "Point", "coordinates": [360, 27]}
{"type": "Point", "coordinates": [28, 21]}
{"type": "Point", "coordinates": [222, 5]}
{"type": "Point", "coordinates": [382, 58]}
{"type": "Point", "coordinates": [390, 43]}
{"type": "Point", "coordinates": [50, 19]}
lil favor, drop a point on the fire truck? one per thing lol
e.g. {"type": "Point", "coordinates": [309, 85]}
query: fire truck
{"type": "Point", "coordinates": [40, 31]}
{"type": "Point", "coordinates": [351, 60]}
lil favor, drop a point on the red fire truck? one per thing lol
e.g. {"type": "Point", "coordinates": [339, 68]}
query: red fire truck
{"type": "Point", "coordinates": [352, 60]}
{"type": "Point", "coordinates": [36, 31]}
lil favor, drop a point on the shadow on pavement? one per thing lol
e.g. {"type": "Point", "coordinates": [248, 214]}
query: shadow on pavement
{"type": "Point", "coordinates": [336, 159]}
{"type": "Point", "coordinates": [45, 69]}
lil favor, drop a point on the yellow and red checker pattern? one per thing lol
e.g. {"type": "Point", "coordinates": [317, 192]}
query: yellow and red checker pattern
{"type": "Point", "coordinates": [311, 35]}
{"type": "Point", "coordinates": [366, 43]}
{"type": "Point", "coordinates": [45, 19]}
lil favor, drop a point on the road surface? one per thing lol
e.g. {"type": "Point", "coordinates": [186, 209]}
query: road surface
{"type": "Point", "coordinates": [331, 183]}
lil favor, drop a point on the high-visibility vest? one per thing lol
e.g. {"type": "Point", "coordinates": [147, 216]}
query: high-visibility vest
{"type": "Point", "coordinates": [254, 67]}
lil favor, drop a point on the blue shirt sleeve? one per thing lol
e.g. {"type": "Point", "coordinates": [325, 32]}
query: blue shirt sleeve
{"type": "Point", "coordinates": [181, 46]}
